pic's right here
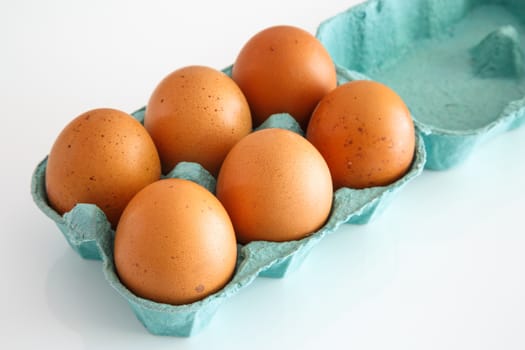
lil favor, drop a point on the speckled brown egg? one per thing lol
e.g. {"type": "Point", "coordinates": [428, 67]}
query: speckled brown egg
{"type": "Point", "coordinates": [284, 69]}
{"type": "Point", "coordinates": [196, 114]}
{"type": "Point", "coordinates": [175, 243]}
{"type": "Point", "coordinates": [103, 157]}
{"type": "Point", "coordinates": [275, 186]}
{"type": "Point", "coordinates": [366, 134]}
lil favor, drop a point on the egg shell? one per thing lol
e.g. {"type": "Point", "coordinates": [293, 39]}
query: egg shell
{"type": "Point", "coordinates": [460, 75]}
{"type": "Point", "coordinates": [175, 243]}
{"type": "Point", "coordinates": [283, 69]}
{"type": "Point", "coordinates": [196, 114]}
{"type": "Point", "coordinates": [276, 186]}
{"type": "Point", "coordinates": [103, 156]}
{"type": "Point", "coordinates": [365, 132]}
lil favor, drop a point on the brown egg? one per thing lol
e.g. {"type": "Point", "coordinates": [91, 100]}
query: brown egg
{"type": "Point", "coordinates": [175, 243]}
{"type": "Point", "coordinates": [103, 157]}
{"type": "Point", "coordinates": [196, 114]}
{"type": "Point", "coordinates": [275, 186]}
{"type": "Point", "coordinates": [366, 134]}
{"type": "Point", "coordinates": [284, 69]}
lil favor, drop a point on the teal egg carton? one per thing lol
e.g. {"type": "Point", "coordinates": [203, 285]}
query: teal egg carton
{"type": "Point", "coordinates": [458, 64]}
{"type": "Point", "coordinates": [89, 233]}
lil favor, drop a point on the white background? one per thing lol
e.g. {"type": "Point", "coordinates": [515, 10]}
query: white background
{"type": "Point", "coordinates": [442, 268]}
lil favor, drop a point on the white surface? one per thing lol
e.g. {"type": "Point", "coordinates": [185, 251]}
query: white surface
{"type": "Point", "coordinates": [442, 268]}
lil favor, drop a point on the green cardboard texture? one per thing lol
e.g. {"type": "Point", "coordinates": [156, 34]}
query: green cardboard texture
{"type": "Point", "coordinates": [458, 64]}
{"type": "Point", "coordinates": [89, 233]}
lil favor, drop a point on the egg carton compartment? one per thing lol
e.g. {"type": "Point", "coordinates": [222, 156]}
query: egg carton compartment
{"type": "Point", "coordinates": [458, 64]}
{"type": "Point", "coordinates": [88, 232]}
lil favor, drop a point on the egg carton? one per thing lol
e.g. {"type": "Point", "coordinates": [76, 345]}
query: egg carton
{"type": "Point", "coordinates": [89, 233]}
{"type": "Point", "coordinates": [458, 64]}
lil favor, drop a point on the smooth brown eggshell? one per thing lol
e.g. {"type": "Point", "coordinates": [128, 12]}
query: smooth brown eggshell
{"type": "Point", "coordinates": [366, 134]}
{"type": "Point", "coordinates": [284, 69]}
{"type": "Point", "coordinates": [275, 186]}
{"type": "Point", "coordinates": [175, 243]}
{"type": "Point", "coordinates": [196, 114]}
{"type": "Point", "coordinates": [103, 157]}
